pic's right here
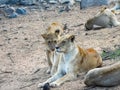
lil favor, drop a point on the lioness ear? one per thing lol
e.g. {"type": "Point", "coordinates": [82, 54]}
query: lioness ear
{"type": "Point", "coordinates": [103, 9]}
{"type": "Point", "coordinates": [113, 11]}
{"type": "Point", "coordinates": [44, 35]}
{"type": "Point", "coordinates": [57, 32]}
{"type": "Point", "coordinates": [72, 38]}
{"type": "Point", "coordinates": [54, 23]}
{"type": "Point", "coordinates": [48, 28]}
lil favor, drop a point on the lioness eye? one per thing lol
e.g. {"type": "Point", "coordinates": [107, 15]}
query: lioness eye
{"type": "Point", "coordinates": [48, 41]}
{"type": "Point", "coordinates": [63, 42]}
{"type": "Point", "coordinates": [55, 41]}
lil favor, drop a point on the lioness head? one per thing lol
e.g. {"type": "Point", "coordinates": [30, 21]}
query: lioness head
{"type": "Point", "coordinates": [107, 11]}
{"type": "Point", "coordinates": [65, 43]}
{"type": "Point", "coordinates": [51, 39]}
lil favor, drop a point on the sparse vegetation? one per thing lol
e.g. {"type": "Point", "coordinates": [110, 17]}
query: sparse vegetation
{"type": "Point", "coordinates": [111, 54]}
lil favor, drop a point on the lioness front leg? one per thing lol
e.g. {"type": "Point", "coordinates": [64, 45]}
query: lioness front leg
{"type": "Point", "coordinates": [49, 61]}
{"type": "Point", "coordinates": [55, 63]}
{"type": "Point", "coordinates": [52, 79]}
{"type": "Point", "coordinates": [63, 79]}
{"type": "Point", "coordinates": [53, 70]}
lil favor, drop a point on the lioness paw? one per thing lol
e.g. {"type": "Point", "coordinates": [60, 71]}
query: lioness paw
{"type": "Point", "coordinates": [40, 85]}
{"type": "Point", "coordinates": [54, 84]}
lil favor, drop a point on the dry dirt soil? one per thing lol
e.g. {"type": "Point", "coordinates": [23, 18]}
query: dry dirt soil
{"type": "Point", "coordinates": [22, 52]}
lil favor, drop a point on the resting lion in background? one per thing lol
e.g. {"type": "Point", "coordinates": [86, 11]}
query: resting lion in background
{"type": "Point", "coordinates": [105, 76]}
{"type": "Point", "coordinates": [105, 18]}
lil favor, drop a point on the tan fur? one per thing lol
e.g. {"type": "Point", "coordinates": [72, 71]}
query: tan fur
{"type": "Point", "coordinates": [105, 76]}
{"type": "Point", "coordinates": [105, 18]}
{"type": "Point", "coordinates": [51, 36]}
{"type": "Point", "coordinates": [72, 61]}
{"type": "Point", "coordinates": [54, 27]}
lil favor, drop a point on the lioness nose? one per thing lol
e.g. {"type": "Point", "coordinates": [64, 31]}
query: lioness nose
{"type": "Point", "coordinates": [57, 47]}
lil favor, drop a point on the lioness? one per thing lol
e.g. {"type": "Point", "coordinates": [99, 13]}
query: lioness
{"type": "Point", "coordinates": [73, 60]}
{"type": "Point", "coordinates": [105, 18]}
{"type": "Point", "coordinates": [105, 76]}
{"type": "Point", "coordinates": [52, 34]}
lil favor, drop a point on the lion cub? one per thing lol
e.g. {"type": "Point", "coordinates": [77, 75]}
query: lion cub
{"type": "Point", "coordinates": [105, 76]}
{"type": "Point", "coordinates": [73, 60]}
{"type": "Point", "coordinates": [105, 18]}
{"type": "Point", "coordinates": [52, 34]}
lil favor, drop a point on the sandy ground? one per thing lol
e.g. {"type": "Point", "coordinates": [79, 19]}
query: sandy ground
{"type": "Point", "coordinates": [22, 56]}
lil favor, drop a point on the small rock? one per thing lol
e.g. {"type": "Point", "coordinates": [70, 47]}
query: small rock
{"type": "Point", "coordinates": [9, 54]}
{"type": "Point", "coordinates": [70, 2]}
{"type": "Point", "coordinates": [5, 30]}
{"type": "Point", "coordinates": [68, 8]}
{"type": "Point", "coordinates": [89, 3]}
{"type": "Point", "coordinates": [12, 1]}
{"type": "Point", "coordinates": [27, 2]}
{"type": "Point", "coordinates": [64, 1]}
{"type": "Point", "coordinates": [26, 39]}
{"type": "Point", "coordinates": [1, 45]}
{"type": "Point", "coordinates": [114, 36]}
{"type": "Point", "coordinates": [78, 0]}
{"type": "Point", "coordinates": [9, 38]}
{"type": "Point", "coordinates": [21, 11]}
{"type": "Point", "coordinates": [52, 1]}
{"type": "Point", "coordinates": [86, 34]}
{"type": "Point", "coordinates": [9, 10]}
{"type": "Point", "coordinates": [20, 27]}
{"type": "Point", "coordinates": [13, 15]}
{"type": "Point", "coordinates": [61, 9]}
{"type": "Point", "coordinates": [15, 38]}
